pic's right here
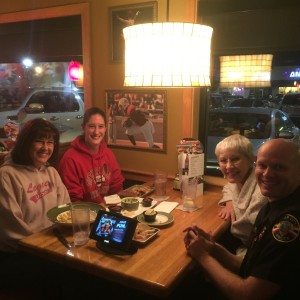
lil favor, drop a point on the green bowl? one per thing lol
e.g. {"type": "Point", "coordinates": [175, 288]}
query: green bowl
{"type": "Point", "coordinates": [130, 203]}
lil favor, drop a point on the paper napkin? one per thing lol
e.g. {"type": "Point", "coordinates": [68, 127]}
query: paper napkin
{"type": "Point", "coordinates": [112, 199]}
{"type": "Point", "coordinates": [166, 206]}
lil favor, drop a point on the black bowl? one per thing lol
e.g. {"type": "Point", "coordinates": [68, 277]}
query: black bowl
{"type": "Point", "coordinates": [147, 202]}
{"type": "Point", "coordinates": [115, 208]}
{"type": "Point", "coordinates": [150, 215]}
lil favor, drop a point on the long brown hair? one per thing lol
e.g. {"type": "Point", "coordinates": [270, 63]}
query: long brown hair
{"type": "Point", "coordinates": [33, 130]}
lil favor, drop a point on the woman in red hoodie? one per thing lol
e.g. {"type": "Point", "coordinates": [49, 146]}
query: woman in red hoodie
{"type": "Point", "coordinates": [89, 168]}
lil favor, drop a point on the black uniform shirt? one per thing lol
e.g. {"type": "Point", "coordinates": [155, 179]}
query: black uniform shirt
{"type": "Point", "coordinates": [274, 252]}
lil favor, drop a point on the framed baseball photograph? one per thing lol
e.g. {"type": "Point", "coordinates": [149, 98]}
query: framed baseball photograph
{"type": "Point", "coordinates": [137, 119]}
{"type": "Point", "coordinates": [124, 16]}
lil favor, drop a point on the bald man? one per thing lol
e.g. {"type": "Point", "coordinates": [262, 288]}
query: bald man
{"type": "Point", "coordinates": [278, 169]}
{"type": "Point", "coordinates": [271, 266]}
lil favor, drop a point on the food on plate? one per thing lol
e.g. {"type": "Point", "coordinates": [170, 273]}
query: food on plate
{"type": "Point", "coordinates": [136, 191]}
{"type": "Point", "coordinates": [65, 217]}
{"type": "Point", "coordinates": [143, 232]}
{"type": "Point", "coordinates": [141, 190]}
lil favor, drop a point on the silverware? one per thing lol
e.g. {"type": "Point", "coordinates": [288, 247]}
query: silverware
{"type": "Point", "coordinates": [61, 238]}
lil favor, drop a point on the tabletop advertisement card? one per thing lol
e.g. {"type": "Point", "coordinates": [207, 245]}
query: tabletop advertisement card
{"type": "Point", "coordinates": [191, 165]}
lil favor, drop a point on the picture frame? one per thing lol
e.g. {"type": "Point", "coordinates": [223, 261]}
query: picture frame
{"type": "Point", "coordinates": [126, 15]}
{"type": "Point", "coordinates": [137, 119]}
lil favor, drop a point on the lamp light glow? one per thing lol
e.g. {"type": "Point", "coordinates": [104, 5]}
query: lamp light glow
{"type": "Point", "coordinates": [246, 70]}
{"type": "Point", "coordinates": [75, 70]}
{"type": "Point", "coordinates": [167, 54]}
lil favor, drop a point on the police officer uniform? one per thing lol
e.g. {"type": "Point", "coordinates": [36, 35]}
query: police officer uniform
{"type": "Point", "coordinates": [274, 252]}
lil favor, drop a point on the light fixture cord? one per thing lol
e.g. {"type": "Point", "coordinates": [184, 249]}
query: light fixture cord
{"type": "Point", "coordinates": [168, 5]}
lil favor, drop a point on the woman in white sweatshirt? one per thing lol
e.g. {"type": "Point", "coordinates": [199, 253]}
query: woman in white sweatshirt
{"type": "Point", "coordinates": [242, 198]}
{"type": "Point", "coordinates": [30, 184]}
{"type": "Point", "coordinates": [29, 187]}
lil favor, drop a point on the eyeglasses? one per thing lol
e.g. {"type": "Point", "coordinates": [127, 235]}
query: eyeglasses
{"type": "Point", "coordinates": [232, 161]}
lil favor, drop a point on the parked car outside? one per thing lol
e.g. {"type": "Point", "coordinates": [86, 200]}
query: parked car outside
{"type": "Point", "coordinates": [276, 101]}
{"type": "Point", "coordinates": [290, 104]}
{"type": "Point", "coordinates": [216, 100]}
{"type": "Point", "coordinates": [257, 124]}
{"type": "Point", "coordinates": [62, 107]}
{"type": "Point", "coordinates": [80, 92]}
{"type": "Point", "coordinates": [246, 102]}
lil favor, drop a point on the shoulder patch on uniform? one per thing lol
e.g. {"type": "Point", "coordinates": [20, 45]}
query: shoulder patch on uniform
{"type": "Point", "coordinates": [287, 229]}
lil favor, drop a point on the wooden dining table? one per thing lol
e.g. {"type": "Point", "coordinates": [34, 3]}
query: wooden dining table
{"type": "Point", "coordinates": [155, 269]}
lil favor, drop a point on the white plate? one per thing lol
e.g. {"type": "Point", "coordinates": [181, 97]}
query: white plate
{"type": "Point", "coordinates": [144, 234]}
{"type": "Point", "coordinates": [162, 219]}
{"type": "Point", "coordinates": [141, 209]}
{"type": "Point", "coordinates": [57, 210]}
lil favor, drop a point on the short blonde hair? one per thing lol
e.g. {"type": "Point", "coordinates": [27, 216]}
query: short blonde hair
{"type": "Point", "coordinates": [237, 143]}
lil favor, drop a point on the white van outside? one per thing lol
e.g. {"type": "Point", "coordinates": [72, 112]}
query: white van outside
{"type": "Point", "coordinates": [61, 106]}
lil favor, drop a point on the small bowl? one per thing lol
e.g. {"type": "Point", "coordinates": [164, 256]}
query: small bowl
{"type": "Point", "coordinates": [147, 202]}
{"type": "Point", "coordinates": [130, 203]}
{"type": "Point", "coordinates": [115, 208]}
{"type": "Point", "coordinates": [150, 215]}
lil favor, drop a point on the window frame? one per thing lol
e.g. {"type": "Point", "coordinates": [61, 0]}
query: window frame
{"type": "Point", "coordinates": [81, 9]}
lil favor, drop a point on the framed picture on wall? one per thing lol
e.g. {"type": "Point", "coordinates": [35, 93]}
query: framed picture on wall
{"type": "Point", "coordinates": [137, 119]}
{"type": "Point", "coordinates": [124, 16]}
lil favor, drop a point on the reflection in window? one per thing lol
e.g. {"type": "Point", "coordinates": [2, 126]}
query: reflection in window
{"type": "Point", "coordinates": [43, 90]}
{"type": "Point", "coordinates": [253, 126]}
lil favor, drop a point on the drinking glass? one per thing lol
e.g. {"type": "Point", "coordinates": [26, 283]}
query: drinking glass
{"type": "Point", "coordinates": [189, 194]}
{"type": "Point", "coordinates": [81, 224]}
{"type": "Point", "coordinates": [160, 184]}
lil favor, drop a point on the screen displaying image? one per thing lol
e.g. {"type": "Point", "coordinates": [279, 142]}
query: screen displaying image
{"type": "Point", "coordinates": [112, 228]}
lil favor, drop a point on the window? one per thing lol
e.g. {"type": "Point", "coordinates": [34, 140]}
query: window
{"type": "Point", "coordinates": [35, 34]}
{"type": "Point", "coordinates": [242, 28]}
{"type": "Point", "coordinates": [50, 94]}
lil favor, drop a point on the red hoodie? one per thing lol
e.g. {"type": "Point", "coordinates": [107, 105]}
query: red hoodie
{"type": "Point", "coordinates": [89, 177]}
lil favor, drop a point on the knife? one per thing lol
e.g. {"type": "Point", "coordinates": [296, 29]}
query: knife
{"type": "Point", "coordinates": [61, 238]}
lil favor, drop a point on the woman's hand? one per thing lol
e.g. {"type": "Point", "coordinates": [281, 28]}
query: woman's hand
{"type": "Point", "coordinates": [227, 212]}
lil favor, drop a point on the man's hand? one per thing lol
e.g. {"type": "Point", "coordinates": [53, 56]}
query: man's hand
{"type": "Point", "coordinates": [198, 242]}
